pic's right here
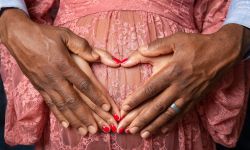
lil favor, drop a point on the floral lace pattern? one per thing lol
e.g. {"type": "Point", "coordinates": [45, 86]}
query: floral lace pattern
{"type": "Point", "coordinates": [218, 118]}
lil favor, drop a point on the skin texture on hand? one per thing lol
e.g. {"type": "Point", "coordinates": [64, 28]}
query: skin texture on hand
{"type": "Point", "coordinates": [103, 119]}
{"type": "Point", "coordinates": [185, 66]}
{"type": "Point", "coordinates": [43, 54]}
{"type": "Point", "coordinates": [195, 62]}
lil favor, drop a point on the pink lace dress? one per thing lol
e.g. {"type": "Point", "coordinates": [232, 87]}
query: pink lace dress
{"type": "Point", "coordinates": [121, 26]}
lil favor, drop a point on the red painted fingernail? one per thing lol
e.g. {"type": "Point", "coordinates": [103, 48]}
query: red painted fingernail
{"type": "Point", "coordinates": [127, 131]}
{"type": "Point", "coordinates": [113, 128]}
{"type": "Point", "coordinates": [116, 117]}
{"type": "Point", "coordinates": [122, 61]}
{"type": "Point", "coordinates": [106, 129]}
{"type": "Point", "coordinates": [121, 130]}
{"type": "Point", "coordinates": [116, 60]}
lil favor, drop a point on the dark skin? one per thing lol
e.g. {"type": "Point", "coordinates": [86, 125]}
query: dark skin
{"type": "Point", "coordinates": [197, 62]}
{"type": "Point", "coordinates": [193, 64]}
{"type": "Point", "coordinates": [43, 54]}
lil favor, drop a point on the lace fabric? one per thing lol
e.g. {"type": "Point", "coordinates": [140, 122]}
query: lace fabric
{"type": "Point", "coordinates": [218, 118]}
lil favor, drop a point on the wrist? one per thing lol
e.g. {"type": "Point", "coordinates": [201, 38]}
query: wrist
{"type": "Point", "coordinates": [12, 18]}
{"type": "Point", "coordinates": [231, 38]}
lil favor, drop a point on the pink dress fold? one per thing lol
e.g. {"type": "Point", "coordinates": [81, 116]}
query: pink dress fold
{"type": "Point", "coordinates": [120, 27]}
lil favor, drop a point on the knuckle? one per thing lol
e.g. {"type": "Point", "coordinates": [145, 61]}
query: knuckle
{"type": "Point", "coordinates": [149, 90]}
{"type": "Point", "coordinates": [63, 66]}
{"type": "Point", "coordinates": [159, 107]}
{"type": "Point", "coordinates": [142, 120]}
{"type": "Point", "coordinates": [71, 102]}
{"type": "Point", "coordinates": [84, 85]}
{"type": "Point", "coordinates": [61, 106]}
{"type": "Point", "coordinates": [50, 76]}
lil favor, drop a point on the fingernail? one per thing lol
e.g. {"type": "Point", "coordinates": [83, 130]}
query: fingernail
{"type": "Point", "coordinates": [116, 117]}
{"type": "Point", "coordinates": [65, 124]}
{"type": "Point", "coordinates": [121, 130]}
{"type": "Point", "coordinates": [133, 130]}
{"type": "Point", "coordinates": [106, 129]}
{"type": "Point", "coordinates": [145, 134]}
{"type": "Point", "coordinates": [165, 130]}
{"type": "Point", "coordinates": [106, 107]}
{"type": "Point", "coordinates": [124, 60]}
{"type": "Point", "coordinates": [126, 107]}
{"type": "Point", "coordinates": [127, 131]}
{"type": "Point", "coordinates": [113, 128]}
{"type": "Point", "coordinates": [116, 60]}
{"type": "Point", "coordinates": [82, 131]}
{"type": "Point", "coordinates": [92, 129]}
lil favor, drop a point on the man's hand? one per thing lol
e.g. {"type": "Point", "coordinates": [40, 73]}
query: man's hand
{"type": "Point", "coordinates": [42, 52]}
{"type": "Point", "coordinates": [197, 62]}
{"type": "Point", "coordinates": [104, 120]}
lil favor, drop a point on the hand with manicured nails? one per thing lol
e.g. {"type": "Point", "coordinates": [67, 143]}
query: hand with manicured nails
{"type": "Point", "coordinates": [43, 54]}
{"type": "Point", "coordinates": [185, 67]}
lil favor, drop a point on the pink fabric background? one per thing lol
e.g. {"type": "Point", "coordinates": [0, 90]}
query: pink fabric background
{"type": "Point", "coordinates": [120, 27]}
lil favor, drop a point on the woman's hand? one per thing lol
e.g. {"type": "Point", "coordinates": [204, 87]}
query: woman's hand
{"type": "Point", "coordinates": [196, 63]}
{"type": "Point", "coordinates": [43, 54]}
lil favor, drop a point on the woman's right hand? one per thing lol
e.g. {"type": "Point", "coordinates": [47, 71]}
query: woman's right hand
{"type": "Point", "coordinates": [42, 52]}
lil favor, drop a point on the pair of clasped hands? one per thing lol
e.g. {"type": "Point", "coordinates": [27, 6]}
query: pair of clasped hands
{"type": "Point", "coordinates": [57, 63]}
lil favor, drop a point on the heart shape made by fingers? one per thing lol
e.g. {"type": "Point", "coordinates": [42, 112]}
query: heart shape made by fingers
{"type": "Point", "coordinates": [135, 59]}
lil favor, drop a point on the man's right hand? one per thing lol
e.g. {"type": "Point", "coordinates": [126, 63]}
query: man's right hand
{"type": "Point", "coordinates": [43, 54]}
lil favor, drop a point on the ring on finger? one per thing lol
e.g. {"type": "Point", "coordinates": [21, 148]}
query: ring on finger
{"type": "Point", "coordinates": [175, 108]}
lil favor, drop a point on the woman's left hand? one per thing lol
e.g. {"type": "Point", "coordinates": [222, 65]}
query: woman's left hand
{"type": "Point", "coordinates": [185, 66]}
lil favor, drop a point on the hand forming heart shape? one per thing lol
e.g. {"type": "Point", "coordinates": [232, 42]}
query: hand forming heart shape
{"type": "Point", "coordinates": [103, 118]}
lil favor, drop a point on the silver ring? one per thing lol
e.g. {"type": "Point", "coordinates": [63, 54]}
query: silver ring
{"type": "Point", "coordinates": [175, 108]}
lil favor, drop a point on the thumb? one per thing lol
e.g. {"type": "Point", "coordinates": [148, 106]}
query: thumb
{"type": "Point", "coordinates": [158, 47]}
{"type": "Point", "coordinates": [79, 46]}
{"type": "Point", "coordinates": [106, 58]}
